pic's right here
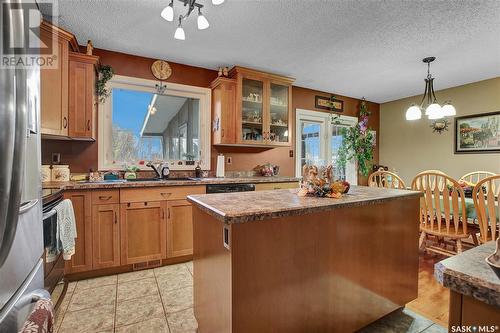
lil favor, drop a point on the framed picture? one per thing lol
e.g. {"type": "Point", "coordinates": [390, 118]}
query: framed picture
{"type": "Point", "coordinates": [478, 133]}
{"type": "Point", "coordinates": [330, 104]}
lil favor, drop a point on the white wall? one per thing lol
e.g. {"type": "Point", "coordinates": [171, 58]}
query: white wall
{"type": "Point", "coordinates": [411, 146]}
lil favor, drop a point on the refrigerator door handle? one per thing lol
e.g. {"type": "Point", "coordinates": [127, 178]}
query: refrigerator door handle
{"type": "Point", "coordinates": [26, 206]}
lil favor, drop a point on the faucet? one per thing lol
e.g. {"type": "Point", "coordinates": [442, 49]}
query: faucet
{"type": "Point", "coordinates": [155, 168]}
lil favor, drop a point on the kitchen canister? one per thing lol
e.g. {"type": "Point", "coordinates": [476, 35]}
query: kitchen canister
{"type": "Point", "coordinates": [46, 173]}
{"type": "Point", "coordinates": [60, 173]}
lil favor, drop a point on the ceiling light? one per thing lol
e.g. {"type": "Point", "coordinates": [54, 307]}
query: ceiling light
{"type": "Point", "coordinates": [413, 113]}
{"type": "Point", "coordinates": [449, 110]}
{"type": "Point", "coordinates": [433, 110]}
{"type": "Point", "coordinates": [168, 12]}
{"type": "Point", "coordinates": [202, 21]}
{"type": "Point", "coordinates": [217, 2]}
{"type": "Point", "coordinates": [179, 32]}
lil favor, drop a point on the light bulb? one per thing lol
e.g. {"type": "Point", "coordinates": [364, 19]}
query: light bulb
{"type": "Point", "coordinates": [217, 2]}
{"type": "Point", "coordinates": [434, 111]}
{"type": "Point", "coordinates": [413, 113]}
{"type": "Point", "coordinates": [168, 12]}
{"type": "Point", "coordinates": [179, 33]}
{"type": "Point", "coordinates": [202, 22]}
{"type": "Point", "coordinates": [449, 110]}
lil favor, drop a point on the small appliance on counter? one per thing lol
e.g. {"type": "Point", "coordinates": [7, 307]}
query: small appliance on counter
{"type": "Point", "coordinates": [220, 166]}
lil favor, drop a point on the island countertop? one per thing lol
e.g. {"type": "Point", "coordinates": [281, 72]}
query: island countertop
{"type": "Point", "coordinates": [469, 274]}
{"type": "Point", "coordinates": [255, 206]}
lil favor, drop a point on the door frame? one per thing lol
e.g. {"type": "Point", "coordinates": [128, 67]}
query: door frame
{"type": "Point", "coordinates": [326, 121]}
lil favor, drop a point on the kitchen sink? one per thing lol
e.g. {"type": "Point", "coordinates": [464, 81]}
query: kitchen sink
{"type": "Point", "coordinates": [144, 180]}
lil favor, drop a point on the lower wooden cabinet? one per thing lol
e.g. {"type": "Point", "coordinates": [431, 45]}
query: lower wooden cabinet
{"type": "Point", "coordinates": [143, 231]}
{"type": "Point", "coordinates": [276, 186]}
{"type": "Point", "coordinates": [82, 259]}
{"type": "Point", "coordinates": [106, 235]}
{"type": "Point", "coordinates": [179, 228]}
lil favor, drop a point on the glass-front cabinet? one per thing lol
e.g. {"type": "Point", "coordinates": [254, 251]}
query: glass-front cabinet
{"type": "Point", "coordinates": [263, 108]}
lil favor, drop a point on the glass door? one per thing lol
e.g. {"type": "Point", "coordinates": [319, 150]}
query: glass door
{"type": "Point", "coordinates": [252, 114]}
{"type": "Point", "coordinates": [278, 114]}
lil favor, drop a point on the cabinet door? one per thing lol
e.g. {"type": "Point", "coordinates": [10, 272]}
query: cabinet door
{"type": "Point", "coordinates": [223, 111]}
{"type": "Point", "coordinates": [81, 261]}
{"type": "Point", "coordinates": [106, 235]}
{"type": "Point", "coordinates": [81, 99]}
{"type": "Point", "coordinates": [251, 128]}
{"type": "Point", "coordinates": [278, 118]}
{"type": "Point", "coordinates": [179, 228]}
{"type": "Point", "coordinates": [54, 89]}
{"type": "Point", "coordinates": [143, 231]}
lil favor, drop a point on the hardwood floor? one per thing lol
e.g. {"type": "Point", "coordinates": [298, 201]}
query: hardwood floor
{"type": "Point", "coordinates": [433, 299]}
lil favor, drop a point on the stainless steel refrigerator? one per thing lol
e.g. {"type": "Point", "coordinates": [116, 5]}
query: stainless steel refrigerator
{"type": "Point", "coordinates": [21, 231]}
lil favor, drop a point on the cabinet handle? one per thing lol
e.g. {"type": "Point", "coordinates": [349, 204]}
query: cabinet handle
{"type": "Point", "coordinates": [104, 198]}
{"type": "Point", "coordinates": [65, 122]}
{"type": "Point", "coordinates": [88, 124]}
{"type": "Point", "coordinates": [162, 214]}
{"type": "Point", "coordinates": [116, 217]}
{"type": "Point", "coordinates": [222, 133]}
{"type": "Point", "coordinates": [168, 213]}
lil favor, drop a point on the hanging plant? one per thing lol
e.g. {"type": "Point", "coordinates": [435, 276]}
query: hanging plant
{"type": "Point", "coordinates": [358, 143]}
{"type": "Point", "coordinates": [105, 74]}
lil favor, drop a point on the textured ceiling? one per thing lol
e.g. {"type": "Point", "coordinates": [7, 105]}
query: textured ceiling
{"type": "Point", "coordinates": [370, 48]}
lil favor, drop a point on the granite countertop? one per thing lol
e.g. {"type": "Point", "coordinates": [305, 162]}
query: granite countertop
{"type": "Point", "coordinates": [255, 206]}
{"type": "Point", "coordinates": [469, 274]}
{"type": "Point", "coordinates": [196, 181]}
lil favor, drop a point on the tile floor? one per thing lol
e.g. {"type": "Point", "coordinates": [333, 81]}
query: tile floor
{"type": "Point", "coordinates": [161, 300]}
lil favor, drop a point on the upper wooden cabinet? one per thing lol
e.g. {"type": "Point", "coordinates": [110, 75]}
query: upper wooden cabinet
{"type": "Point", "coordinates": [261, 113]}
{"type": "Point", "coordinates": [68, 92]}
{"type": "Point", "coordinates": [82, 96]}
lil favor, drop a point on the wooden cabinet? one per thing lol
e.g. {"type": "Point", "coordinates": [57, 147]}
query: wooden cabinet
{"type": "Point", "coordinates": [82, 100]}
{"type": "Point", "coordinates": [81, 261]}
{"type": "Point", "coordinates": [143, 231]}
{"type": "Point", "coordinates": [106, 235]}
{"type": "Point", "coordinates": [223, 111]}
{"type": "Point", "coordinates": [54, 83]}
{"type": "Point", "coordinates": [276, 186]}
{"type": "Point", "coordinates": [179, 228]}
{"type": "Point", "coordinates": [252, 108]}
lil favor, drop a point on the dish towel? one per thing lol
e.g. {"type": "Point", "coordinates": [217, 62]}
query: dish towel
{"type": "Point", "coordinates": [66, 228]}
{"type": "Point", "coordinates": [41, 319]}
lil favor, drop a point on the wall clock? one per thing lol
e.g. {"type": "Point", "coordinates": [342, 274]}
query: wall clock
{"type": "Point", "coordinates": [161, 70]}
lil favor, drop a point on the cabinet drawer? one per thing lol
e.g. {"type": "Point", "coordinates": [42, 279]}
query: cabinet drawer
{"type": "Point", "coordinates": [159, 193]}
{"type": "Point", "coordinates": [104, 197]}
{"type": "Point", "coordinates": [276, 186]}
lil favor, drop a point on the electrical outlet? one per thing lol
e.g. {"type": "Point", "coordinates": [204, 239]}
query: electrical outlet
{"type": "Point", "coordinates": [56, 158]}
{"type": "Point", "coordinates": [229, 160]}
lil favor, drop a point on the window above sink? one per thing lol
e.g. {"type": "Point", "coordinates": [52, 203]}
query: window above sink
{"type": "Point", "coordinates": [136, 123]}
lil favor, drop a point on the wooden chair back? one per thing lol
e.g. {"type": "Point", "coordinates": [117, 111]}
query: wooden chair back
{"type": "Point", "coordinates": [442, 208]}
{"type": "Point", "coordinates": [486, 196]}
{"type": "Point", "coordinates": [385, 179]}
{"type": "Point", "coordinates": [476, 176]}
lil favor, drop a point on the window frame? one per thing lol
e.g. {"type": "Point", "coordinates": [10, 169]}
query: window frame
{"type": "Point", "coordinates": [105, 119]}
{"type": "Point", "coordinates": [326, 123]}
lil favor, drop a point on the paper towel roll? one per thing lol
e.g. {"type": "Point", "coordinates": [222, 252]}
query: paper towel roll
{"type": "Point", "coordinates": [220, 166]}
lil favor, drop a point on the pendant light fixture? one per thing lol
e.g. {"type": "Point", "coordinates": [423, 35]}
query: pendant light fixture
{"type": "Point", "coordinates": [429, 103]}
{"type": "Point", "coordinates": [202, 22]}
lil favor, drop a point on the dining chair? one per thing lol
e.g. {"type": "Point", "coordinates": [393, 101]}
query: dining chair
{"type": "Point", "coordinates": [476, 176]}
{"type": "Point", "coordinates": [486, 196]}
{"type": "Point", "coordinates": [385, 179]}
{"type": "Point", "coordinates": [442, 212]}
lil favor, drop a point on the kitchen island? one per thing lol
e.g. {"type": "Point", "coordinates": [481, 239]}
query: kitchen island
{"type": "Point", "coordinates": [272, 261]}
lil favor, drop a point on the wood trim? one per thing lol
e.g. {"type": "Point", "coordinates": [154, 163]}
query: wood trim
{"type": "Point", "coordinates": [267, 75]}
{"type": "Point", "coordinates": [61, 33]}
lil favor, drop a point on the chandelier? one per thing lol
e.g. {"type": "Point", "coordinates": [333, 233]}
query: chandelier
{"type": "Point", "coordinates": [429, 103]}
{"type": "Point", "coordinates": [168, 14]}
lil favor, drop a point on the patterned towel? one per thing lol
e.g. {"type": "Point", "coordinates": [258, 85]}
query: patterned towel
{"type": "Point", "coordinates": [66, 228]}
{"type": "Point", "coordinates": [41, 319]}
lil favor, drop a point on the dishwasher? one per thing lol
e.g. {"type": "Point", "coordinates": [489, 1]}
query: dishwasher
{"type": "Point", "coordinates": [229, 188]}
